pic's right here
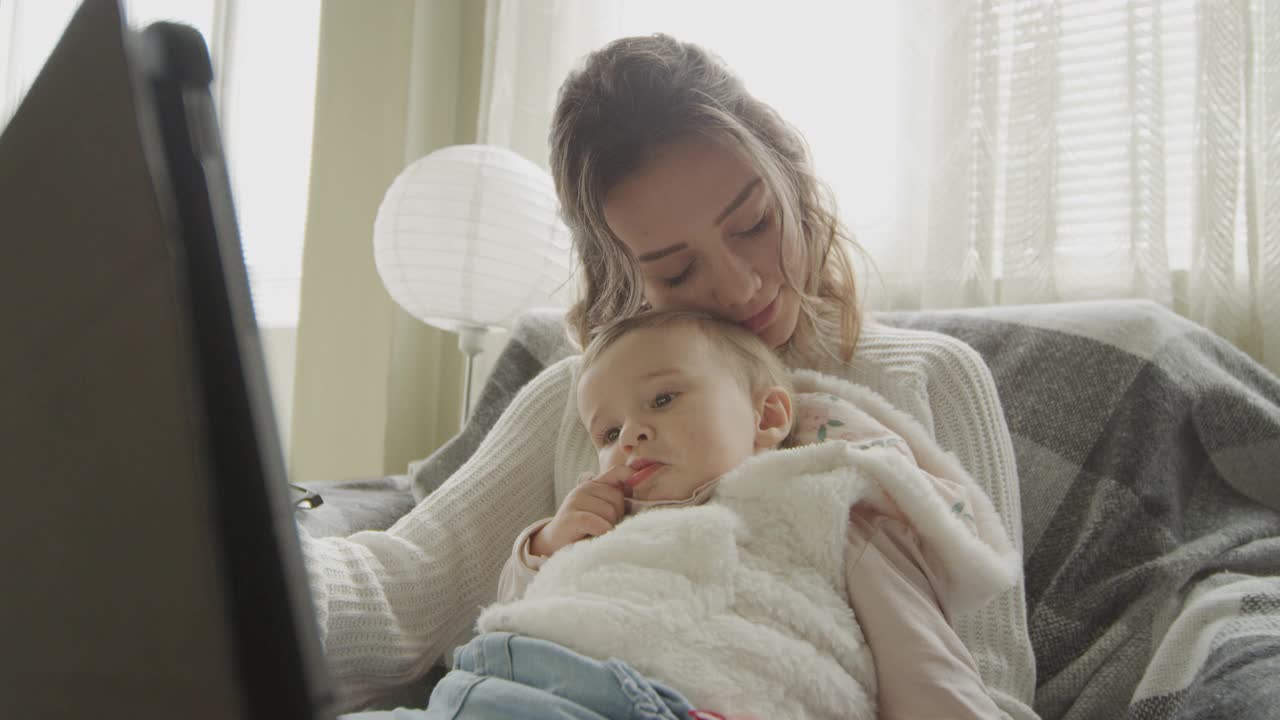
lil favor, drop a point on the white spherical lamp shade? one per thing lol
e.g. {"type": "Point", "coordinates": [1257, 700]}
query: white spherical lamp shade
{"type": "Point", "coordinates": [468, 237]}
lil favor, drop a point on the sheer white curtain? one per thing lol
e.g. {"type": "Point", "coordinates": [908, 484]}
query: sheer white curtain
{"type": "Point", "coordinates": [1135, 155]}
{"type": "Point", "coordinates": [1051, 152]}
{"type": "Point", "coordinates": [988, 151]}
{"type": "Point", "coordinates": [264, 56]}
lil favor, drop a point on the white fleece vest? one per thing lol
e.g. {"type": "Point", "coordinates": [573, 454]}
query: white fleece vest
{"type": "Point", "coordinates": [740, 604]}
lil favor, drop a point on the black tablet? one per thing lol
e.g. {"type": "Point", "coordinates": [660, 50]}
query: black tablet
{"type": "Point", "coordinates": [155, 566]}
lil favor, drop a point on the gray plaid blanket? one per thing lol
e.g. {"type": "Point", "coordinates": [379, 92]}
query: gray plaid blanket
{"type": "Point", "coordinates": [1148, 454]}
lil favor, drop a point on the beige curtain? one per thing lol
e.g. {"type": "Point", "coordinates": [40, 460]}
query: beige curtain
{"type": "Point", "coordinates": [375, 388]}
{"type": "Point", "coordinates": [529, 48]}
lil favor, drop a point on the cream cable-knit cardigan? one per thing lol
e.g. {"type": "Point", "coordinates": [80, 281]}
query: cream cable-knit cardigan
{"type": "Point", "coordinates": [390, 604]}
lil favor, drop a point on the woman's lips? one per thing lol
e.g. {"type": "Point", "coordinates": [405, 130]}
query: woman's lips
{"type": "Point", "coordinates": [644, 473]}
{"type": "Point", "coordinates": [760, 320]}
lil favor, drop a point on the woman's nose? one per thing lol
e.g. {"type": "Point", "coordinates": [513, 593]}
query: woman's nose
{"type": "Point", "coordinates": [736, 280]}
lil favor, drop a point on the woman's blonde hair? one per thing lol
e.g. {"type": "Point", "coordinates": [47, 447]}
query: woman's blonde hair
{"type": "Point", "coordinates": [635, 95]}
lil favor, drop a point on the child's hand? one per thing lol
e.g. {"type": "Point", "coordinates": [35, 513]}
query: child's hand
{"type": "Point", "coordinates": [590, 510]}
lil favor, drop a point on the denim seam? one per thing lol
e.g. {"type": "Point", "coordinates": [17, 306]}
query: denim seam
{"type": "Point", "coordinates": [510, 668]}
{"type": "Point", "coordinates": [465, 694]}
{"type": "Point", "coordinates": [641, 698]}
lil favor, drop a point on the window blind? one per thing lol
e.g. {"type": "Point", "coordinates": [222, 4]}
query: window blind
{"type": "Point", "coordinates": [1097, 155]}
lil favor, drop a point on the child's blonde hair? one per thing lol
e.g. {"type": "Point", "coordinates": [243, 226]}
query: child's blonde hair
{"type": "Point", "coordinates": [756, 367]}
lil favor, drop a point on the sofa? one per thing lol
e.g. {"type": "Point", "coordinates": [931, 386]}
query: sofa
{"type": "Point", "coordinates": [1148, 454]}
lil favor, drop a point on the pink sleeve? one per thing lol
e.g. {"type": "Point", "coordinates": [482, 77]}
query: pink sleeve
{"type": "Point", "coordinates": [522, 567]}
{"type": "Point", "coordinates": [922, 668]}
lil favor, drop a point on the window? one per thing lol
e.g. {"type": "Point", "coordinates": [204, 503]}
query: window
{"type": "Point", "coordinates": [264, 55]}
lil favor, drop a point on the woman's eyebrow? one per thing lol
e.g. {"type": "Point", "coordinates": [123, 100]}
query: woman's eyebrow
{"type": "Point", "coordinates": [658, 254]}
{"type": "Point", "coordinates": [741, 198]}
{"type": "Point", "coordinates": [737, 202]}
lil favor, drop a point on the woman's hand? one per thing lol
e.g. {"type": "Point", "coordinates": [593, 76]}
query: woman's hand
{"type": "Point", "coordinates": [590, 510]}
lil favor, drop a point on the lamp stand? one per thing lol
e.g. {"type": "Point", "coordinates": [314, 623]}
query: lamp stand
{"type": "Point", "coordinates": [471, 343]}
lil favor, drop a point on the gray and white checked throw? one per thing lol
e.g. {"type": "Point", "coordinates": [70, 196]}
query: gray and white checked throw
{"type": "Point", "coordinates": [1148, 453]}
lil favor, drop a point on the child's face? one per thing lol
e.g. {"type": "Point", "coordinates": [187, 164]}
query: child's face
{"type": "Point", "coordinates": [663, 402]}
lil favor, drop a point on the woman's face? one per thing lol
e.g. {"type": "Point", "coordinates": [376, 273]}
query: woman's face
{"type": "Point", "coordinates": [704, 228]}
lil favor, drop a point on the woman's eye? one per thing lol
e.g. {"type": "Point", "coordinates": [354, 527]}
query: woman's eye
{"type": "Point", "coordinates": [678, 279]}
{"type": "Point", "coordinates": [663, 400]}
{"type": "Point", "coordinates": [759, 227]}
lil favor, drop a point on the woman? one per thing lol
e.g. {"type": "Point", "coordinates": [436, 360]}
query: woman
{"type": "Point", "coordinates": [683, 191]}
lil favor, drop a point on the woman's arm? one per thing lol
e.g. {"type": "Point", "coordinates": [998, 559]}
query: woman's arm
{"type": "Point", "coordinates": [390, 604]}
{"type": "Point", "coordinates": [945, 385]}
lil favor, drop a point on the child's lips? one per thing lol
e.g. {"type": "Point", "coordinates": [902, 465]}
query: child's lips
{"type": "Point", "coordinates": [645, 472]}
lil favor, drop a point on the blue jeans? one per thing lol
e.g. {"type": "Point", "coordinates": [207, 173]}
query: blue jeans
{"type": "Point", "coordinates": [500, 675]}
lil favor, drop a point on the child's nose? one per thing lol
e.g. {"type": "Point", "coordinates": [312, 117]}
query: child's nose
{"type": "Point", "coordinates": [636, 436]}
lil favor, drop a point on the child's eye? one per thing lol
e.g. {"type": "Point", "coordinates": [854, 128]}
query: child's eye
{"type": "Point", "coordinates": [607, 437]}
{"type": "Point", "coordinates": [663, 399]}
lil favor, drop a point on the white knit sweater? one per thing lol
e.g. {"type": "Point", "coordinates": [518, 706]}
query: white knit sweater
{"type": "Point", "coordinates": [390, 604]}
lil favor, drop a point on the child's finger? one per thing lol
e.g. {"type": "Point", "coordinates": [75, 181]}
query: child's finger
{"type": "Point", "coordinates": [591, 525]}
{"type": "Point", "coordinates": [609, 493]}
{"type": "Point", "coordinates": [602, 506]}
{"type": "Point", "coordinates": [615, 476]}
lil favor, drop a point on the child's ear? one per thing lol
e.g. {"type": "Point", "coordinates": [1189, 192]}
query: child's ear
{"type": "Point", "coordinates": [773, 418]}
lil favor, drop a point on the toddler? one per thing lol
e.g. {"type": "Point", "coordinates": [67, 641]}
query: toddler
{"type": "Point", "coordinates": [821, 545]}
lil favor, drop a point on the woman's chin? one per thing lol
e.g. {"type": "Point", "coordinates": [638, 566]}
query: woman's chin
{"type": "Point", "coordinates": [777, 333]}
